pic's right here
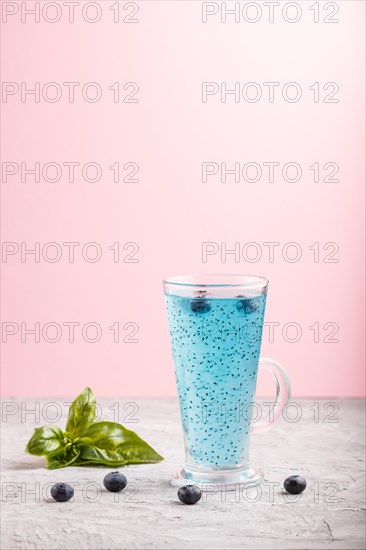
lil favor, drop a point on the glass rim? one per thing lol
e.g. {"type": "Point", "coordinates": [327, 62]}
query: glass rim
{"type": "Point", "coordinates": [247, 280]}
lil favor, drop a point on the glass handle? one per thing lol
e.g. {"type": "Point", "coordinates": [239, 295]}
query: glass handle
{"type": "Point", "coordinates": [283, 393]}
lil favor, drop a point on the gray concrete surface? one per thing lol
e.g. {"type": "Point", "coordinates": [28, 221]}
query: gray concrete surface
{"type": "Point", "coordinates": [329, 453]}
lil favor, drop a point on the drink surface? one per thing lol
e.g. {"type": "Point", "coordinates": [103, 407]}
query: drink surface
{"type": "Point", "coordinates": [216, 345]}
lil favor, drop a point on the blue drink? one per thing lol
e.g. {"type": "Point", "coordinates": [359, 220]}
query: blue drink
{"type": "Point", "coordinates": [216, 324]}
{"type": "Point", "coordinates": [216, 345]}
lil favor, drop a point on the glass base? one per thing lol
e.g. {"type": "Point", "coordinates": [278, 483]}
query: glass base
{"type": "Point", "coordinates": [227, 480]}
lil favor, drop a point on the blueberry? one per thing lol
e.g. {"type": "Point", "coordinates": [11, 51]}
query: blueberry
{"type": "Point", "coordinates": [295, 485]}
{"type": "Point", "coordinates": [201, 293]}
{"type": "Point", "coordinates": [200, 306]}
{"type": "Point", "coordinates": [189, 494]}
{"type": "Point", "coordinates": [62, 492]}
{"type": "Point", "coordinates": [248, 305]}
{"type": "Point", "coordinates": [115, 482]}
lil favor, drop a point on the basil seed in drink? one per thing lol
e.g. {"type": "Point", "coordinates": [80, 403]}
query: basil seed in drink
{"type": "Point", "coordinates": [216, 345]}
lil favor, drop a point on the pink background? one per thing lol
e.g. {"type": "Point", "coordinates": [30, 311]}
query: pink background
{"type": "Point", "coordinates": [170, 211]}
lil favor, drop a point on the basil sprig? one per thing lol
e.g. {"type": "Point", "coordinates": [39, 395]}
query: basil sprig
{"type": "Point", "coordinates": [89, 443]}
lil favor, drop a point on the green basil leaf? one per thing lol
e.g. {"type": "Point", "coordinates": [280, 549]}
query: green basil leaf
{"type": "Point", "coordinates": [81, 413]}
{"type": "Point", "coordinates": [100, 457]}
{"type": "Point", "coordinates": [82, 441]}
{"type": "Point", "coordinates": [90, 443]}
{"type": "Point", "coordinates": [64, 457]}
{"type": "Point", "coordinates": [130, 448]}
{"type": "Point", "coordinates": [45, 440]}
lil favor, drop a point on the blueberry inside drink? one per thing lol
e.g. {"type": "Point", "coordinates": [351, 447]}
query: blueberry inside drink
{"type": "Point", "coordinates": [216, 345]}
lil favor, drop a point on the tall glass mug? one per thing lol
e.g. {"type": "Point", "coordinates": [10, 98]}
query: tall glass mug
{"type": "Point", "coordinates": [216, 324]}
